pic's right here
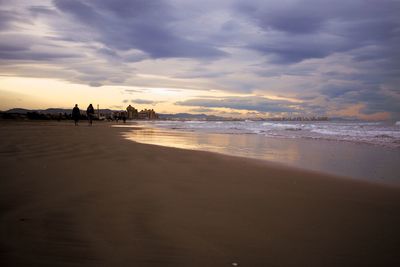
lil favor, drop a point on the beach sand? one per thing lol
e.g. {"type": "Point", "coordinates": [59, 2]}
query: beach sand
{"type": "Point", "coordinates": [84, 196]}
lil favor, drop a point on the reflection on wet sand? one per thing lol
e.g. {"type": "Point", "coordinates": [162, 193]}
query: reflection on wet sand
{"type": "Point", "coordinates": [235, 145]}
{"type": "Point", "coordinates": [334, 157]}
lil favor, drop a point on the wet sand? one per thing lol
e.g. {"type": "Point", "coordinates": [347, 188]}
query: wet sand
{"type": "Point", "coordinates": [366, 162]}
{"type": "Point", "coordinates": [84, 196]}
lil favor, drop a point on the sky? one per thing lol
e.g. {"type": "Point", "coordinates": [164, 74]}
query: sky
{"type": "Point", "coordinates": [236, 58]}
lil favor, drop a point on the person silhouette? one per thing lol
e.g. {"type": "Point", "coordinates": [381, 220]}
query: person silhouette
{"type": "Point", "coordinates": [124, 116]}
{"type": "Point", "coordinates": [90, 114]}
{"type": "Point", "coordinates": [76, 114]}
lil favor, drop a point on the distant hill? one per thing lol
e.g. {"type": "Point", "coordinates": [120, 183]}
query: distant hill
{"type": "Point", "coordinates": [55, 111]}
{"type": "Point", "coordinates": [19, 110]}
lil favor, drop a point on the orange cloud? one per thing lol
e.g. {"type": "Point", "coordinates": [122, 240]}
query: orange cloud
{"type": "Point", "coordinates": [355, 111]}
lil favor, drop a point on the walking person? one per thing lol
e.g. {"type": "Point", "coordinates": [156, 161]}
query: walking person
{"type": "Point", "coordinates": [76, 114]}
{"type": "Point", "coordinates": [90, 114]}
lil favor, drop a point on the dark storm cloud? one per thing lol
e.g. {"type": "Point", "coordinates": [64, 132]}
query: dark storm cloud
{"type": "Point", "coordinates": [292, 18]}
{"type": "Point", "coordinates": [374, 98]}
{"type": "Point", "coordinates": [298, 30]}
{"type": "Point", "coordinates": [378, 102]}
{"type": "Point", "coordinates": [260, 104]}
{"type": "Point", "coordinates": [143, 25]}
{"type": "Point", "coordinates": [288, 49]}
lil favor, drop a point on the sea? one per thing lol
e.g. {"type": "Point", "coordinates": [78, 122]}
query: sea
{"type": "Point", "coordinates": [353, 149]}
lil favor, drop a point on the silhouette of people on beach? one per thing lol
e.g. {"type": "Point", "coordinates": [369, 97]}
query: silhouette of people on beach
{"type": "Point", "coordinates": [90, 114]}
{"type": "Point", "coordinates": [76, 114]}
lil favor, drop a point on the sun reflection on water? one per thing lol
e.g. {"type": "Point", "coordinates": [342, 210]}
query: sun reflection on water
{"type": "Point", "coordinates": [236, 145]}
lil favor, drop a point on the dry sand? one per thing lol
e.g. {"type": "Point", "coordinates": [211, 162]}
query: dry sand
{"type": "Point", "coordinates": [83, 196]}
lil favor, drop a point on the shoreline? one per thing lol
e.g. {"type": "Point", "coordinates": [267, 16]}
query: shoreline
{"type": "Point", "coordinates": [375, 164]}
{"type": "Point", "coordinates": [378, 134]}
{"type": "Point", "coordinates": [85, 196]}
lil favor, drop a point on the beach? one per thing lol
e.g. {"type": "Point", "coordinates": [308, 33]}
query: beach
{"type": "Point", "coordinates": [85, 196]}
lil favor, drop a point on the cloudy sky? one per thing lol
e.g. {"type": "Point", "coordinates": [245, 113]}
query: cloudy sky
{"type": "Point", "coordinates": [231, 58]}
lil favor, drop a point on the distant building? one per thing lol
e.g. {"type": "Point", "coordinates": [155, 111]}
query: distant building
{"type": "Point", "coordinates": [147, 114]}
{"type": "Point", "coordinates": [132, 113]}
